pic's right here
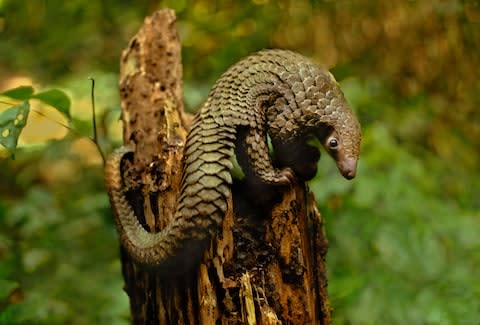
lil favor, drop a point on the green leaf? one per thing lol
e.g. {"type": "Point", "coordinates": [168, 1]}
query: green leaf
{"type": "Point", "coordinates": [57, 99]}
{"type": "Point", "coordinates": [21, 93]}
{"type": "Point", "coordinates": [12, 122]}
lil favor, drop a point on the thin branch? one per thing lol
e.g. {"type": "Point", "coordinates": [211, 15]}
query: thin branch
{"type": "Point", "coordinates": [69, 128]}
{"type": "Point", "coordinates": [7, 103]}
{"type": "Point", "coordinates": [94, 120]}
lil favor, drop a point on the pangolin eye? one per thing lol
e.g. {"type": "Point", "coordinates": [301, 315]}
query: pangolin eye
{"type": "Point", "coordinates": [333, 143]}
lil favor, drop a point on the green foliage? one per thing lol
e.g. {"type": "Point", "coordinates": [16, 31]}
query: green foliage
{"type": "Point", "coordinates": [14, 118]}
{"type": "Point", "coordinates": [55, 98]}
{"type": "Point", "coordinates": [20, 93]}
{"type": "Point", "coordinates": [403, 250]}
{"type": "Point", "coordinates": [6, 287]}
{"type": "Point", "coordinates": [58, 245]}
{"type": "Point", "coordinates": [404, 244]}
{"type": "Point", "coordinates": [12, 122]}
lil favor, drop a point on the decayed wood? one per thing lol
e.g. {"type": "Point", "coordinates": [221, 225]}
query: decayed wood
{"type": "Point", "coordinates": [151, 98]}
{"type": "Point", "coordinates": [264, 268]}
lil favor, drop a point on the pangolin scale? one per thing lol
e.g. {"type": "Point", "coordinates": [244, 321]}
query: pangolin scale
{"type": "Point", "coordinates": [275, 92]}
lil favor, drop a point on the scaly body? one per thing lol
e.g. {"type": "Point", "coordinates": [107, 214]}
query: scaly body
{"type": "Point", "coordinates": [274, 91]}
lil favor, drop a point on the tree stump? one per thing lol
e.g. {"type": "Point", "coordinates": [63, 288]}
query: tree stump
{"type": "Point", "coordinates": [264, 267]}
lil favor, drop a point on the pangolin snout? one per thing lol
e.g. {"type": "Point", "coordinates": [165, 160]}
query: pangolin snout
{"type": "Point", "coordinates": [348, 168]}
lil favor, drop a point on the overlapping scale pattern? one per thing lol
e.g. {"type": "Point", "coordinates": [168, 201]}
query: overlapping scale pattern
{"type": "Point", "coordinates": [274, 91]}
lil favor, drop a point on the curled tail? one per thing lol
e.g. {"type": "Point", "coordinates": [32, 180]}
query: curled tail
{"type": "Point", "coordinates": [201, 206]}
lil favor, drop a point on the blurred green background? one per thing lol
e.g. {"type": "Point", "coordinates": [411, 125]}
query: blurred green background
{"type": "Point", "coordinates": [404, 235]}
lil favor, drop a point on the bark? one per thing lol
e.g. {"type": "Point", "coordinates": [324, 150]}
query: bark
{"type": "Point", "coordinates": [266, 267]}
